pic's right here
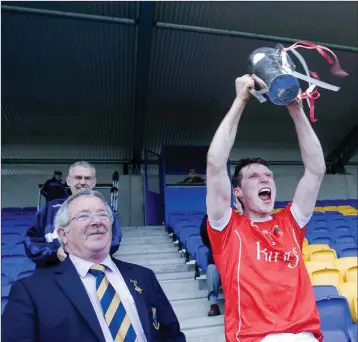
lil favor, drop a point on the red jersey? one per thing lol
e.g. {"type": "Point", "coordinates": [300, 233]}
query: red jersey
{"type": "Point", "coordinates": [266, 285]}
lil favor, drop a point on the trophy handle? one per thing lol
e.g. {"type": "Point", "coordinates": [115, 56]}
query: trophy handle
{"type": "Point", "coordinates": [259, 94]}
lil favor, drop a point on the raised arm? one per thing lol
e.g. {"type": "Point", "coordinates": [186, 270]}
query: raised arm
{"type": "Point", "coordinates": [218, 183]}
{"type": "Point", "coordinates": [313, 159]}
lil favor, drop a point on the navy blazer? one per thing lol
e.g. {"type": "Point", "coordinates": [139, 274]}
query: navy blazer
{"type": "Point", "coordinates": [52, 305]}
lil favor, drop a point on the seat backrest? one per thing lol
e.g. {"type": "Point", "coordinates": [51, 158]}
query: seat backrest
{"type": "Point", "coordinates": [346, 239]}
{"type": "Point", "coordinates": [349, 290]}
{"type": "Point", "coordinates": [349, 251]}
{"type": "Point", "coordinates": [352, 274]}
{"type": "Point", "coordinates": [313, 266]}
{"type": "Point", "coordinates": [322, 291]}
{"type": "Point", "coordinates": [321, 240]}
{"type": "Point", "coordinates": [323, 255]}
{"type": "Point", "coordinates": [334, 313]}
{"type": "Point", "coordinates": [343, 264]}
{"type": "Point", "coordinates": [329, 276]}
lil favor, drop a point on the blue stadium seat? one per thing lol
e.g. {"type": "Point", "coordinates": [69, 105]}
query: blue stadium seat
{"type": "Point", "coordinates": [177, 226]}
{"type": "Point", "coordinates": [192, 243]}
{"type": "Point", "coordinates": [5, 279]}
{"type": "Point", "coordinates": [334, 313]}
{"type": "Point", "coordinates": [4, 296]}
{"type": "Point", "coordinates": [353, 332]}
{"type": "Point", "coordinates": [349, 251]}
{"type": "Point", "coordinates": [322, 291]}
{"type": "Point", "coordinates": [202, 257]}
{"type": "Point", "coordinates": [24, 274]}
{"type": "Point", "coordinates": [346, 239]}
{"type": "Point", "coordinates": [187, 231]}
{"type": "Point", "coordinates": [334, 336]}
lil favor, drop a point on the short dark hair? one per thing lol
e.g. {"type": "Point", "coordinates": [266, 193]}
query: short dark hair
{"type": "Point", "coordinates": [237, 177]}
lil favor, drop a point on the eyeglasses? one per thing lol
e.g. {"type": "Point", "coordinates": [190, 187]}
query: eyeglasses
{"type": "Point", "coordinates": [87, 217]}
{"type": "Point", "coordinates": [79, 178]}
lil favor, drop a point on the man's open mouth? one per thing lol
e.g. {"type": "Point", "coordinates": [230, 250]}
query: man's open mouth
{"type": "Point", "coordinates": [265, 194]}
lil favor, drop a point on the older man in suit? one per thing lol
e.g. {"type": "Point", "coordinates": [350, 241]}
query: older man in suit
{"type": "Point", "coordinates": [90, 296]}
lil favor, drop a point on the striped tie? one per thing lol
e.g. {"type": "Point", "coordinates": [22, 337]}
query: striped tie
{"type": "Point", "coordinates": [113, 310]}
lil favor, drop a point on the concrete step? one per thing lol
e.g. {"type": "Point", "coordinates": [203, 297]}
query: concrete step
{"type": "Point", "coordinates": [180, 285]}
{"type": "Point", "coordinates": [165, 247]}
{"type": "Point", "coordinates": [143, 228]}
{"type": "Point", "coordinates": [146, 232]}
{"type": "Point", "coordinates": [145, 240]}
{"type": "Point", "coordinates": [173, 295]}
{"type": "Point", "coordinates": [189, 324]}
{"type": "Point", "coordinates": [169, 268]}
{"type": "Point", "coordinates": [176, 275]}
{"type": "Point", "coordinates": [148, 258]}
{"type": "Point", "coordinates": [191, 308]}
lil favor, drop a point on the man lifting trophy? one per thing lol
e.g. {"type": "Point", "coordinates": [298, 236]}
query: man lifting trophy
{"type": "Point", "coordinates": [268, 293]}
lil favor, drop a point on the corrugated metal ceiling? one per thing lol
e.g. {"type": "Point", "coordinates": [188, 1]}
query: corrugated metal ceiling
{"type": "Point", "coordinates": [67, 81]}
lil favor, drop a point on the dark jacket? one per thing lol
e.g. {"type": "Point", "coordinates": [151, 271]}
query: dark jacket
{"type": "Point", "coordinates": [53, 305]}
{"type": "Point", "coordinates": [205, 237]}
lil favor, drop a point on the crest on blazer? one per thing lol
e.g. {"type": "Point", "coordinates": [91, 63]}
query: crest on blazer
{"type": "Point", "coordinates": [136, 287]}
{"type": "Point", "coordinates": [156, 323]}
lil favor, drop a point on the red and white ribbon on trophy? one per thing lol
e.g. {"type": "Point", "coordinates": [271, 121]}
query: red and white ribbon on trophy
{"type": "Point", "coordinates": [311, 94]}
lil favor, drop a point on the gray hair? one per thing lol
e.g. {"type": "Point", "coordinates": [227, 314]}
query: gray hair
{"type": "Point", "coordinates": [83, 164]}
{"type": "Point", "coordinates": [62, 218]}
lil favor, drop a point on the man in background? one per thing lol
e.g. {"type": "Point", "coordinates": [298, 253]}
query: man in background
{"type": "Point", "coordinates": [41, 241]}
{"type": "Point", "coordinates": [54, 188]}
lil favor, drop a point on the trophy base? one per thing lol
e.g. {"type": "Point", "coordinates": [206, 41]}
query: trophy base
{"type": "Point", "coordinates": [283, 90]}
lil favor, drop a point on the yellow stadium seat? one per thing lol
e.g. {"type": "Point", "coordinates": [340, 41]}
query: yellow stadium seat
{"type": "Point", "coordinates": [350, 212]}
{"type": "Point", "coordinates": [344, 207]}
{"type": "Point", "coordinates": [352, 274]}
{"type": "Point", "coordinates": [349, 290]}
{"type": "Point", "coordinates": [305, 242]}
{"type": "Point", "coordinates": [319, 210]}
{"type": "Point", "coordinates": [307, 250]}
{"type": "Point", "coordinates": [330, 208]}
{"type": "Point", "coordinates": [313, 266]}
{"type": "Point", "coordinates": [343, 264]}
{"type": "Point", "coordinates": [329, 276]}
{"type": "Point", "coordinates": [323, 255]}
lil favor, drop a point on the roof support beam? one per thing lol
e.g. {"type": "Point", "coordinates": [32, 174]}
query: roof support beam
{"type": "Point", "coordinates": [345, 150]}
{"type": "Point", "coordinates": [247, 35]}
{"type": "Point", "coordinates": [144, 45]}
{"type": "Point", "coordinates": [65, 14]}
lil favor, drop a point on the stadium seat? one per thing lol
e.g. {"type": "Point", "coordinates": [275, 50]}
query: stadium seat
{"type": "Point", "coordinates": [310, 248]}
{"type": "Point", "coordinates": [343, 264]}
{"type": "Point", "coordinates": [334, 336]}
{"type": "Point", "coordinates": [202, 257]}
{"type": "Point", "coordinates": [313, 266]}
{"type": "Point", "coordinates": [323, 255]}
{"type": "Point", "coordinates": [352, 273]}
{"type": "Point", "coordinates": [4, 296]}
{"type": "Point", "coordinates": [187, 231]}
{"type": "Point", "coordinates": [349, 252]}
{"type": "Point", "coordinates": [305, 242]}
{"type": "Point", "coordinates": [346, 239]}
{"type": "Point", "coordinates": [349, 290]}
{"type": "Point", "coordinates": [192, 243]}
{"type": "Point", "coordinates": [335, 314]}
{"type": "Point", "coordinates": [329, 276]}
{"type": "Point", "coordinates": [322, 291]}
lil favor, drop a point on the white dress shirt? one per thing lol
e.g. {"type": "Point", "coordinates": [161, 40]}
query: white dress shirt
{"type": "Point", "coordinates": [115, 278]}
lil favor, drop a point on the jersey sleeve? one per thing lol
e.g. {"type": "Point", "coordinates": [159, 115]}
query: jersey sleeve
{"type": "Point", "coordinates": [219, 231]}
{"type": "Point", "coordinates": [296, 219]}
